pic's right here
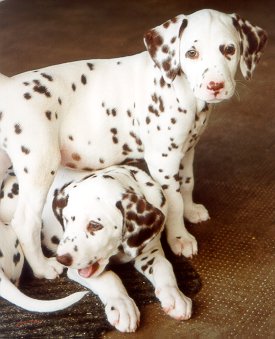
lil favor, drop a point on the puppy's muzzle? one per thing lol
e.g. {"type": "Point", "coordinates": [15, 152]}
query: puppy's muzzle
{"type": "Point", "coordinates": [65, 259]}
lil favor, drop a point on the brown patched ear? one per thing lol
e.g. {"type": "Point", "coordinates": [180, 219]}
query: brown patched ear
{"type": "Point", "coordinates": [141, 220]}
{"type": "Point", "coordinates": [252, 42]}
{"type": "Point", "coordinates": [59, 202]}
{"type": "Point", "coordinates": [163, 45]}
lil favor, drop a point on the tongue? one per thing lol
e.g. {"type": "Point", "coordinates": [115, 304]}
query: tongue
{"type": "Point", "coordinates": [88, 271]}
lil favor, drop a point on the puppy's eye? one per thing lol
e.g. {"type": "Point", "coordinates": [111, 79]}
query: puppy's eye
{"type": "Point", "coordinates": [94, 226]}
{"type": "Point", "coordinates": [230, 50]}
{"type": "Point", "coordinates": [227, 50]}
{"type": "Point", "coordinates": [192, 54]}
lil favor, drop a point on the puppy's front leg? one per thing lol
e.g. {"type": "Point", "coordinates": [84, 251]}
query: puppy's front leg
{"type": "Point", "coordinates": [166, 172]}
{"type": "Point", "coordinates": [159, 271]}
{"type": "Point", "coordinates": [193, 212]}
{"type": "Point", "coordinates": [120, 309]}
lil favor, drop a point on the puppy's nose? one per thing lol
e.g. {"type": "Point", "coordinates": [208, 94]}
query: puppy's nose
{"type": "Point", "coordinates": [215, 86]}
{"type": "Point", "coordinates": [65, 259]}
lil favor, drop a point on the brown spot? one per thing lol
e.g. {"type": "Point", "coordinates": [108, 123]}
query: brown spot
{"type": "Point", "coordinates": [126, 148]}
{"type": "Point", "coordinates": [83, 79]}
{"type": "Point", "coordinates": [162, 82]}
{"type": "Point", "coordinates": [161, 106]}
{"type": "Point", "coordinates": [166, 65]}
{"type": "Point", "coordinates": [173, 39]}
{"type": "Point", "coordinates": [76, 157]}
{"type": "Point", "coordinates": [165, 49]}
{"type": "Point", "coordinates": [137, 139]}
{"type": "Point", "coordinates": [151, 109]}
{"type": "Point", "coordinates": [91, 66]}
{"type": "Point", "coordinates": [73, 87]}
{"type": "Point", "coordinates": [25, 150]}
{"type": "Point", "coordinates": [48, 115]}
{"type": "Point", "coordinates": [129, 113]}
{"type": "Point", "coordinates": [27, 96]}
{"type": "Point", "coordinates": [42, 90]}
{"type": "Point", "coordinates": [17, 129]}
{"type": "Point", "coordinates": [115, 140]}
{"type": "Point", "coordinates": [46, 76]}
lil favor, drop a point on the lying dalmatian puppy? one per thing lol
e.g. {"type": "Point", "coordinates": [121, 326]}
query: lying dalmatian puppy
{"type": "Point", "coordinates": [114, 214]}
{"type": "Point", "coordinates": [11, 265]}
{"type": "Point", "coordinates": [96, 113]}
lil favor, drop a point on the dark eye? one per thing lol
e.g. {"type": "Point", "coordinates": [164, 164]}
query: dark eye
{"type": "Point", "coordinates": [192, 54]}
{"type": "Point", "coordinates": [230, 50]}
{"type": "Point", "coordinates": [94, 226]}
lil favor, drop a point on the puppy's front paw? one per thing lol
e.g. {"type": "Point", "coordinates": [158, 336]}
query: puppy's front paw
{"type": "Point", "coordinates": [174, 302]}
{"type": "Point", "coordinates": [183, 244]}
{"type": "Point", "coordinates": [49, 269]}
{"type": "Point", "coordinates": [123, 313]}
{"type": "Point", "coordinates": [196, 213]}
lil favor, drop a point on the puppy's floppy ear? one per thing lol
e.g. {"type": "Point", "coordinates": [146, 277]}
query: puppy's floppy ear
{"type": "Point", "coordinates": [163, 45]}
{"type": "Point", "coordinates": [60, 201]}
{"type": "Point", "coordinates": [142, 221]}
{"type": "Point", "coordinates": [252, 42]}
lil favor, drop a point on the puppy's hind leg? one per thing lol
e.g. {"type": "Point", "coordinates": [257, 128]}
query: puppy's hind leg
{"type": "Point", "coordinates": [35, 173]}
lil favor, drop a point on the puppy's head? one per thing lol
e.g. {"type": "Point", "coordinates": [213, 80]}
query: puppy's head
{"type": "Point", "coordinates": [103, 216]}
{"type": "Point", "coordinates": [206, 48]}
{"type": "Point", "coordinates": [93, 229]}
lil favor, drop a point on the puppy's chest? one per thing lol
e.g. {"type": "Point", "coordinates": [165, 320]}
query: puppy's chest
{"type": "Point", "coordinates": [197, 128]}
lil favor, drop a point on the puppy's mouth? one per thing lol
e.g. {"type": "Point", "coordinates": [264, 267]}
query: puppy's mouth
{"type": "Point", "coordinates": [88, 271]}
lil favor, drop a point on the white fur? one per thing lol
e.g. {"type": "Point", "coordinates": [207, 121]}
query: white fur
{"type": "Point", "coordinates": [97, 113]}
{"type": "Point", "coordinates": [109, 198]}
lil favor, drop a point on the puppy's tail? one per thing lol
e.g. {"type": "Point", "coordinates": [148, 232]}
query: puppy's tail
{"type": "Point", "coordinates": [11, 293]}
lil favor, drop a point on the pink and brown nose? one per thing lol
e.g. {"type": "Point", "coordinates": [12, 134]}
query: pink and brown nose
{"type": "Point", "coordinates": [65, 259]}
{"type": "Point", "coordinates": [215, 86]}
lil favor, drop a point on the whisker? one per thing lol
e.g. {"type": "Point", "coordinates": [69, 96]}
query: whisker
{"type": "Point", "coordinates": [237, 95]}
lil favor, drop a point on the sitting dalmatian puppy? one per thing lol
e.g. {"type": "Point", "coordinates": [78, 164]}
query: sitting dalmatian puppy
{"type": "Point", "coordinates": [96, 113]}
{"type": "Point", "coordinates": [112, 215]}
{"type": "Point", "coordinates": [11, 265]}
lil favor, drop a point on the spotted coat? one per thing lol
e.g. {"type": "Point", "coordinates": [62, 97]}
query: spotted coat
{"type": "Point", "coordinates": [116, 215]}
{"type": "Point", "coordinates": [96, 113]}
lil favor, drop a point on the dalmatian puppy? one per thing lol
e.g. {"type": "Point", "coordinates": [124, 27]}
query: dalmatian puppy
{"type": "Point", "coordinates": [111, 215]}
{"type": "Point", "coordinates": [96, 113]}
{"type": "Point", "coordinates": [11, 265]}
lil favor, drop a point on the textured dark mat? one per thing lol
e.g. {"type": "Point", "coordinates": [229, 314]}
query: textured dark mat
{"type": "Point", "coordinates": [87, 318]}
{"type": "Point", "coordinates": [235, 172]}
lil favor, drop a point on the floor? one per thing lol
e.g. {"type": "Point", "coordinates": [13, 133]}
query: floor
{"type": "Point", "coordinates": [234, 165]}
